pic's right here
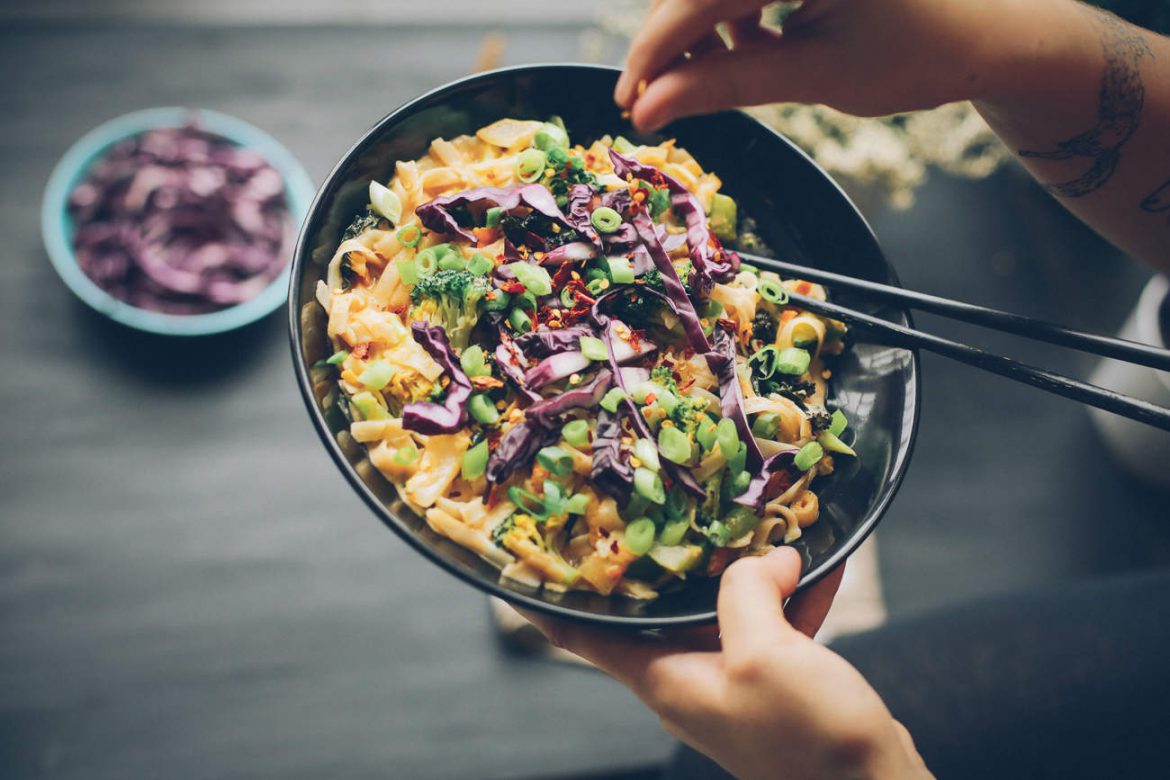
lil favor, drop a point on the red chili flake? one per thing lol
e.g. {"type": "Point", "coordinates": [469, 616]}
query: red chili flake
{"type": "Point", "coordinates": [561, 276]}
{"type": "Point", "coordinates": [613, 547]}
{"type": "Point", "coordinates": [493, 496]}
{"type": "Point", "coordinates": [590, 158]}
{"type": "Point", "coordinates": [512, 286]}
{"type": "Point", "coordinates": [650, 398]}
{"type": "Point", "coordinates": [777, 484]}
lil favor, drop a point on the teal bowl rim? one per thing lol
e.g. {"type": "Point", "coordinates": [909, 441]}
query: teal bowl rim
{"type": "Point", "coordinates": [57, 226]}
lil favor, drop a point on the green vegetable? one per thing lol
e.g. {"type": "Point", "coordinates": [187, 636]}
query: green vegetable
{"type": "Point", "coordinates": [809, 455]}
{"type": "Point", "coordinates": [605, 219]}
{"type": "Point", "coordinates": [738, 461]}
{"type": "Point", "coordinates": [492, 216]}
{"type": "Point", "coordinates": [576, 433]}
{"type": "Point", "coordinates": [714, 308]}
{"type": "Point", "coordinates": [577, 505]}
{"type": "Point", "coordinates": [645, 451]}
{"type": "Point", "coordinates": [557, 460]}
{"type": "Point", "coordinates": [338, 357]}
{"type": "Point", "coordinates": [483, 410]}
{"type": "Point", "coordinates": [830, 442]}
{"type": "Point", "coordinates": [659, 202]}
{"type": "Point", "coordinates": [622, 145]}
{"type": "Point", "coordinates": [793, 361]}
{"type": "Point", "coordinates": [550, 135]}
{"type": "Point", "coordinates": [530, 165]}
{"type": "Point", "coordinates": [763, 361]}
{"type": "Point", "coordinates": [838, 424]}
{"type": "Point", "coordinates": [406, 454]}
{"type": "Point", "coordinates": [409, 235]}
{"type": "Point", "coordinates": [597, 286]}
{"type": "Point", "coordinates": [678, 503]}
{"type": "Point", "coordinates": [649, 485]}
{"type": "Point", "coordinates": [705, 433]}
{"type": "Point", "coordinates": [640, 536]}
{"type": "Point", "coordinates": [674, 444]}
{"type": "Point", "coordinates": [770, 290]}
{"type": "Point", "coordinates": [527, 301]}
{"type": "Point", "coordinates": [520, 322]}
{"type": "Point", "coordinates": [718, 533]}
{"type": "Point", "coordinates": [408, 270]}
{"type": "Point", "coordinates": [766, 425]}
{"type": "Point", "coordinates": [527, 503]}
{"type": "Point", "coordinates": [674, 531]}
{"type": "Point", "coordinates": [594, 348]}
{"type": "Point", "coordinates": [472, 361]}
{"type": "Point", "coordinates": [377, 374]}
{"type": "Point", "coordinates": [620, 270]}
{"type": "Point", "coordinates": [723, 217]}
{"type": "Point", "coordinates": [727, 437]}
{"type": "Point", "coordinates": [368, 406]}
{"type": "Point", "coordinates": [740, 520]}
{"type": "Point", "coordinates": [610, 400]}
{"type": "Point", "coordinates": [496, 300]}
{"type": "Point", "coordinates": [534, 278]}
{"type": "Point", "coordinates": [385, 202]}
{"type": "Point", "coordinates": [370, 220]}
{"type": "Point", "coordinates": [426, 262]}
{"type": "Point", "coordinates": [452, 262]}
{"type": "Point", "coordinates": [450, 300]}
{"type": "Point", "coordinates": [675, 558]}
{"type": "Point", "coordinates": [741, 482]}
{"type": "Point", "coordinates": [475, 461]}
{"type": "Point", "coordinates": [479, 265]}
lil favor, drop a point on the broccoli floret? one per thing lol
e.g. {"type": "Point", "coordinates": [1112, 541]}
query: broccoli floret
{"type": "Point", "coordinates": [503, 529]}
{"type": "Point", "coordinates": [688, 413]}
{"type": "Point", "coordinates": [450, 300]}
{"type": "Point", "coordinates": [764, 327]}
{"type": "Point", "coordinates": [819, 419]}
{"type": "Point", "coordinates": [567, 170]}
{"type": "Point", "coordinates": [653, 280]}
{"type": "Point", "coordinates": [370, 220]}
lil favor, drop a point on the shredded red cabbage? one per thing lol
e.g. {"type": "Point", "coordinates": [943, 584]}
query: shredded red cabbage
{"type": "Point", "coordinates": [587, 396]}
{"type": "Point", "coordinates": [518, 447]}
{"type": "Point", "coordinates": [428, 417]}
{"type": "Point", "coordinates": [508, 358]}
{"type": "Point", "coordinates": [180, 220]}
{"type": "Point", "coordinates": [610, 470]}
{"type": "Point", "coordinates": [676, 294]}
{"type": "Point", "coordinates": [755, 495]}
{"type": "Point", "coordinates": [721, 361]}
{"type": "Point", "coordinates": [436, 214]}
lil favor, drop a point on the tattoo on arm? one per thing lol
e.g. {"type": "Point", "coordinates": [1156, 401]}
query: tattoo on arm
{"type": "Point", "coordinates": [1158, 201]}
{"type": "Point", "coordinates": [1119, 109]}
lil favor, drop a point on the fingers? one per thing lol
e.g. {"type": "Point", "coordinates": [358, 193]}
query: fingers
{"type": "Point", "coordinates": [671, 28]}
{"type": "Point", "coordinates": [806, 611]}
{"type": "Point", "coordinates": [751, 603]}
{"type": "Point", "coordinates": [748, 76]}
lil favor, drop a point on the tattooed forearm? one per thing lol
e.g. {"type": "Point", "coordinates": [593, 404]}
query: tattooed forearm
{"type": "Point", "coordinates": [1119, 109]}
{"type": "Point", "coordinates": [1158, 201]}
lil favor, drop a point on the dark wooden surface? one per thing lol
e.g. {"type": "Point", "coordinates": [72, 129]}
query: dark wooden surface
{"type": "Point", "coordinates": [188, 588]}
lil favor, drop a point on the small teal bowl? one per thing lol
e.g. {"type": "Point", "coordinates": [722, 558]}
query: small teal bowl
{"type": "Point", "coordinates": [57, 225]}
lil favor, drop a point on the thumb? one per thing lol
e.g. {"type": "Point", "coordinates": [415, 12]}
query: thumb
{"type": "Point", "coordinates": [751, 601]}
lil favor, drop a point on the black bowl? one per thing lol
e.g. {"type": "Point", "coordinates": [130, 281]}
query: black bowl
{"type": "Point", "coordinates": [801, 213]}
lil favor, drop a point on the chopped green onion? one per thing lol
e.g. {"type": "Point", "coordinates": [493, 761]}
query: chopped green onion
{"type": "Point", "coordinates": [809, 456]}
{"type": "Point", "coordinates": [766, 425]}
{"type": "Point", "coordinates": [557, 460]}
{"type": "Point", "coordinates": [452, 261]}
{"type": "Point", "coordinates": [659, 201]}
{"type": "Point", "coordinates": [427, 261]}
{"type": "Point", "coordinates": [793, 361]}
{"type": "Point", "coordinates": [550, 135]}
{"type": "Point", "coordinates": [830, 442]}
{"type": "Point", "coordinates": [492, 216]}
{"type": "Point", "coordinates": [520, 322]}
{"type": "Point", "coordinates": [649, 485]}
{"type": "Point", "coordinates": [534, 278]}
{"type": "Point", "coordinates": [838, 423]}
{"type": "Point", "coordinates": [407, 270]}
{"type": "Point", "coordinates": [763, 361]}
{"type": "Point", "coordinates": [620, 270]}
{"type": "Point", "coordinates": [678, 504]}
{"type": "Point", "coordinates": [610, 400]}
{"type": "Point", "coordinates": [594, 348]}
{"type": "Point", "coordinates": [622, 145]}
{"type": "Point", "coordinates": [723, 218]}
{"type": "Point", "coordinates": [338, 357]}
{"type": "Point", "coordinates": [667, 400]}
{"type": "Point", "coordinates": [368, 406]}
{"type": "Point", "coordinates": [674, 531]}
{"type": "Point", "coordinates": [804, 335]}
{"type": "Point", "coordinates": [576, 433]}
{"type": "Point", "coordinates": [640, 536]}
{"type": "Point", "coordinates": [479, 265]}
{"type": "Point", "coordinates": [499, 302]}
{"type": "Point", "coordinates": [578, 504]}
{"type": "Point", "coordinates": [597, 286]}
{"type": "Point", "coordinates": [741, 482]}
{"type": "Point", "coordinates": [740, 521]}
{"type": "Point", "coordinates": [472, 361]}
{"type": "Point", "coordinates": [377, 375]}
{"type": "Point", "coordinates": [483, 410]}
{"type": "Point", "coordinates": [475, 461]}
{"type": "Point", "coordinates": [705, 434]}
{"type": "Point", "coordinates": [527, 503]}
{"type": "Point", "coordinates": [385, 202]}
{"type": "Point", "coordinates": [718, 533]}
{"type": "Point", "coordinates": [738, 461]}
{"type": "Point", "coordinates": [674, 444]}
{"type": "Point", "coordinates": [770, 290]}
{"type": "Point", "coordinates": [409, 235]}
{"type": "Point", "coordinates": [645, 451]}
{"type": "Point", "coordinates": [526, 300]}
{"type": "Point", "coordinates": [605, 219]}
{"type": "Point", "coordinates": [530, 165]}
{"type": "Point", "coordinates": [406, 455]}
{"type": "Point", "coordinates": [751, 269]}
{"type": "Point", "coordinates": [714, 308]}
{"type": "Point", "coordinates": [644, 390]}
{"type": "Point", "coordinates": [568, 297]}
{"type": "Point", "coordinates": [727, 437]}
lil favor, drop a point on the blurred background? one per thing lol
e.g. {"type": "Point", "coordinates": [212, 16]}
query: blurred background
{"type": "Point", "coordinates": [188, 587]}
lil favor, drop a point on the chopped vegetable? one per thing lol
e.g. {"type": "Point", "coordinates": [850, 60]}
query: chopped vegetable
{"type": "Point", "coordinates": [809, 456]}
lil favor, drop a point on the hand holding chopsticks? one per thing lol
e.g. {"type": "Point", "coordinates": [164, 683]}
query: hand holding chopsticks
{"type": "Point", "coordinates": [900, 336]}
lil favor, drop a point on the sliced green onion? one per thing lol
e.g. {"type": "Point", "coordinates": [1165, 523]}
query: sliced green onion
{"type": "Point", "coordinates": [576, 433]}
{"type": "Point", "coordinates": [526, 300]}
{"type": "Point", "coordinates": [751, 269]}
{"type": "Point", "coordinates": [407, 270]}
{"type": "Point", "coordinates": [534, 278]}
{"type": "Point", "coordinates": [740, 521]}
{"type": "Point", "coordinates": [368, 406]}
{"type": "Point", "coordinates": [718, 533]}
{"type": "Point", "coordinates": [594, 348]}
{"type": "Point", "coordinates": [409, 235]}
{"type": "Point", "coordinates": [830, 442]}
{"type": "Point", "coordinates": [804, 335]}
{"type": "Point", "coordinates": [578, 504]}
{"type": "Point", "coordinates": [557, 460]}
{"type": "Point", "coordinates": [475, 461]}
{"type": "Point", "coordinates": [809, 456]}
{"type": "Point", "coordinates": [479, 265]}
{"type": "Point", "coordinates": [527, 503]}
{"type": "Point", "coordinates": [610, 400]}
{"type": "Point", "coordinates": [568, 297]}
{"type": "Point", "coordinates": [667, 400]}
{"type": "Point", "coordinates": [705, 434]}
{"type": "Point", "coordinates": [597, 286]}
{"type": "Point", "coordinates": [678, 503]}
{"type": "Point", "coordinates": [530, 165]}
{"type": "Point", "coordinates": [483, 410]}
{"type": "Point", "coordinates": [620, 270]}
{"type": "Point", "coordinates": [766, 425]}
{"type": "Point", "coordinates": [714, 308]}
{"type": "Point", "coordinates": [723, 218]}
{"type": "Point", "coordinates": [452, 261]}
{"type": "Point", "coordinates": [472, 362]}
{"type": "Point", "coordinates": [741, 482]}
{"type": "Point", "coordinates": [640, 536]}
{"type": "Point", "coordinates": [492, 216]}
{"type": "Point", "coordinates": [622, 145]}
{"type": "Point", "coordinates": [605, 219]}
{"type": "Point", "coordinates": [674, 444]}
{"type": "Point", "coordinates": [838, 423]}
{"type": "Point", "coordinates": [645, 451]}
{"type": "Point", "coordinates": [406, 455]}
{"type": "Point", "coordinates": [385, 202]}
{"type": "Point", "coordinates": [649, 485]}
{"type": "Point", "coordinates": [377, 374]}
{"type": "Point", "coordinates": [550, 135]}
{"type": "Point", "coordinates": [674, 531]}
{"type": "Point", "coordinates": [793, 361]}
{"type": "Point", "coordinates": [520, 322]}
{"type": "Point", "coordinates": [727, 437]}
{"type": "Point", "coordinates": [338, 357]}
{"type": "Point", "coordinates": [659, 201]}
{"type": "Point", "coordinates": [738, 461]}
{"type": "Point", "coordinates": [427, 261]}
{"type": "Point", "coordinates": [771, 290]}
{"type": "Point", "coordinates": [499, 302]}
{"type": "Point", "coordinates": [644, 390]}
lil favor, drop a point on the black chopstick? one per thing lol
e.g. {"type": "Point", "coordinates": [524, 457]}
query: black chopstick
{"type": "Point", "coordinates": [1120, 349]}
{"type": "Point", "coordinates": [900, 336]}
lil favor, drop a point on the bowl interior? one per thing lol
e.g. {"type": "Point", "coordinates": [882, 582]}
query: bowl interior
{"type": "Point", "coordinates": [57, 224]}
{"type": "Point", "coordinates": [800, 212]}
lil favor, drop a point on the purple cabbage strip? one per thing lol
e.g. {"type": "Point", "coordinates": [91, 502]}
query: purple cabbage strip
{"type": "Point", "coordinates": [587, 396]}
{"type": "Point", "coordinates": [675, 292]}
{"type": "Point", "coordinates": [519, 446]}
{"type": "Point", "coordinates": [572, 252]}
{"type": "Point", "coordinates": [581, 212]}
{"type": "Point", "coordinates": [436, 214]}
{"type": "Point", "coordinates": [428, 417]}
{"type": "Point", "coordinates": [508, 360]}
{"type": "Point", "coordinates": [610, 470]}
{"type": "Point", "coordinates": [541, 343]}
{"type": "Point", "coordinates": [556, 367]}
{"type": "Point", "coordinates": [721, 361]}
{"type": "Point", "coordinates": [754, 496]}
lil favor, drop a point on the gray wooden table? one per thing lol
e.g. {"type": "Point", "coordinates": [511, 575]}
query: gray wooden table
{"type": "Point", "coordinates": [188, 588]}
